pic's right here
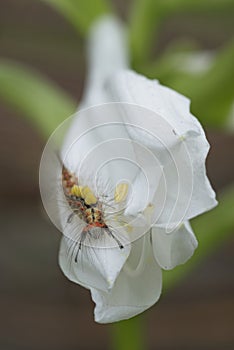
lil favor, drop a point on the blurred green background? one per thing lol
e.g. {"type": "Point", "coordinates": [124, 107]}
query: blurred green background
{"type": "Point", "coordinates": [187, 45]}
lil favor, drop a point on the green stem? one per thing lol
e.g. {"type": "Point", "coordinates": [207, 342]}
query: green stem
{"type": "Point", "coordinates": [129, 335]}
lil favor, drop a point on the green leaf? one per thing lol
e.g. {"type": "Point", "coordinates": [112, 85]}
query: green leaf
{"type": "Point", "coordinates": [211, 93]}
{"type": "Point", "coordinates": [147, 16]}
{"type": "Point", "coordinates": [38, 99]}
{"type": "Point", "coordinates": [81, 13]}
{"type": "Point", "coordinates": [212, 230]}
{"type": "Point", "coordinates": [170, 64]}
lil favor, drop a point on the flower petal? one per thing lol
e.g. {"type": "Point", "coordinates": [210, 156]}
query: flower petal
{"type": "Point", "coordinates": [183, 147]}
{"type": "Point", "coordinates": [92, 267]}
{"type": "Point", "coordinates": [105, 57]}
{"type": "Point", "coordinates": [175, 248]}
{"type": "Point", "coordinates": [202, 196]}
{"type": "Point", "coordinates": [137, 287]}
{"type": "Point", "coordinates": [172, 107]}
{"type": "Point", "coordinates": [185, 189]}
{"type": "Point", "coordinates": [98, 150]}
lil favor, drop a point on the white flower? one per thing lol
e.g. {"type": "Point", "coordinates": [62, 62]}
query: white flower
{"type": "Point", "coordinates": [141, 161]}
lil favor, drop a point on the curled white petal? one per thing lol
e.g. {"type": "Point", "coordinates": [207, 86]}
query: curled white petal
{"type": "Point", "coordinates": [175, 248]}
{"type": "Point", "coordinates": [130, 87]}
{"type": "Point", "coordinates": [188, 190]}
{"type": "Point", "coordinates": [92, 267]}
{"type": "Point", "coordinates": [137, 287]}
{"type": "Point", "coordinates": [203, 196]}
{"type": "Point", "coordinates": [176, 138]}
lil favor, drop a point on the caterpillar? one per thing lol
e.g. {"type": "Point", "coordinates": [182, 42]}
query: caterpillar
{"type": "Point", "coordinates": [87, 207]}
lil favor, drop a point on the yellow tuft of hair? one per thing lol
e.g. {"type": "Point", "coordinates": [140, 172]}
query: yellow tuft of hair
{"type": "Point", "coordinates": [121, 192]}
{"type": "Point", "coordinates": [76, 191]}
{"type": "Point", "coordinates": [90, 199]}
{"type": "Point", "coordinates": [85, 191]}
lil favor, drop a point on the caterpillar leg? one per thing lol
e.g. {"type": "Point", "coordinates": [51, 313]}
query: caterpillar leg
{"type": "Point", "coordinates": [82, 239]}
{"type": "Point", "coordinates": [70, 217]}
{"type": "Point", "coordinates": [115, 238]}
